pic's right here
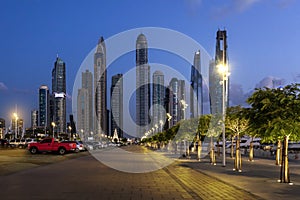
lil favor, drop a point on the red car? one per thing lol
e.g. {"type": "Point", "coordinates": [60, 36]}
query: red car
{"type": "Point", "coordinates": [50, 145]}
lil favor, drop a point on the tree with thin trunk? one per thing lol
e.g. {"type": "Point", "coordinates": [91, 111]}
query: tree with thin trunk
{"type": "Point", "coordinates": [276, 115]}
{"type": "Point", "coordinates": [203, 127]}
{"type": "Point", "coordinates": [236, 123]}
{"type": "Point", "coordinates": [187, 132]}
{"type": "Point", "coordinates": [214, 130]}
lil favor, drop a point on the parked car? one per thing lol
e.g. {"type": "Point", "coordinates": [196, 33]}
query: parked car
{"type": "Point", "coordinates": [267, 146]}
{"type": "Point", "coordinates": [51, 145]}
{"type": "Point", "coordinates": [19, 143]}
{"type": "Point", "coordinates": [4, 143]}
{"type": "Point", "coordinates": [89, 145]}
{"type": "Point", "coordinates": [246, 141]}
{"type": "Point", "coordinates": [30, 140]}
{"type": "Point", "coordinates": [294, 146]}
{"type": "Point", "coordinates": [79, 145]}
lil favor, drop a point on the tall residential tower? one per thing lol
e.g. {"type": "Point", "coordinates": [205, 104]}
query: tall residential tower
{"type": "Point", "coordinates": [158, 109]}
{"type": "Point", "coordinates": [100, 87]}
{"type": "Point", "coordinates": [116, 105]}
{"type": "Point", "coordinates": [215, 77]}
{"type": "Point", "coordinates": [59, 95]}
{"type": "Point", "coordinates": [44, 107]}
{"type": "Point", "coordinates": [142, 86]}
{"type": "Point", "coordinates": [196, 94]}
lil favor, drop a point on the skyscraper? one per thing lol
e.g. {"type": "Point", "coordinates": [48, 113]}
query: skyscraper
{"type": "Point", "coordinates": [2, 128]}
{"type": "Point", "coordinates": [215, 78]}
{"type": "Point", "coordinates": [34, 118]}
{"type": "Point", "coordinates": [44, 106]}
{"type": "Point", "coordinates": [158, 99]}
{"type": "Point", "coordinates": [87, 83]}
{"type": "Point", "coordinates": [59, 94]}
{"type": "Point", "coordinates": [83, 110]}
{"type": "Point", "coordinates": [116, 105]}
{"type": "Point", "coordinates": [142, 86]}
{"type": "Point", "coordinates": [177, 100]}
{"type": "Point", "coordinates": [100, 86]}
{"type": "Point", "coordinates": [196, 94]}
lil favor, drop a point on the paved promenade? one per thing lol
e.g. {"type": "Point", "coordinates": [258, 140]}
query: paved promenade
{"type": "Point", "coordinates": [258, 177]}
{"type": "Point", "coordinates": [87, 178]}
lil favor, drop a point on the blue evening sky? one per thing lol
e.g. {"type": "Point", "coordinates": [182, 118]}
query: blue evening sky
{"type": "Point", "coordinates": [263, 39]}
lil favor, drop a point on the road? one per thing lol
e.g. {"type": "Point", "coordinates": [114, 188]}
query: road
{"type": "Point", "coordinates": [87, 178]}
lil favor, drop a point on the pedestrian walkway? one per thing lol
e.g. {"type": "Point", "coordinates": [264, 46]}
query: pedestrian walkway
{"type": "Point", "coordinates": [258, 177]}
{"type": "Point", "coordinates": [87, 178]}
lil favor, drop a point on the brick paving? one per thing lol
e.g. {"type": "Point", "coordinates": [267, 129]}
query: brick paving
{"type": "Point", "coordinates": [87, 178]}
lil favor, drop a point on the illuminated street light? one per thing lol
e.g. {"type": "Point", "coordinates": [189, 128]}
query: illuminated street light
{"type": "Point", "coordinates": [156, 128]}
{"type": "Point", "coordinates": [161, 122]}
{"type": "Point", "coordinates": [16, 124]}
{"type": "Point", "coordinates": [184, 106]}
{"type": "Point", "coordinates": [70, 132]}
{"type": "Point", "coordinates": [223, 70]}
{"type": "Point", "coordinates": [53, 125]}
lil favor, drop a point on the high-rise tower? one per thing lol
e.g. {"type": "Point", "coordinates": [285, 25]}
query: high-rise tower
{"type": "Point", "coordinates": [196, 94]}
{"type": "Point", "coordinates": [116, 105]}
{"type": "Point", "coordinates": [100, 87]}
{"type": "Point", "coordinates": [87, 83]}
{"type": "Point", "coordinates": [215, 77]}
{"type": "Point", "coordinates": [44, 107]}
{"type": "Point", "coordinates": [142, 86]}
{"type": "Point", "coordinates": [59, 95]}
{"type": "Point", "coordinates": [158, 99]}
{"type": "Point", "coordinates": [34, 118]}
{"type": "Point", "coordinates": [177, 100]}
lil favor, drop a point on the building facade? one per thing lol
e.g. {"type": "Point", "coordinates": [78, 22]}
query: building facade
{"type": "Point", "coordinates": [215, 77]}
{"type": "Point", "coordinates": [158, 110]}
{"type": "Point", "coordinates": [177, 100]}
{"type": "Point", "coordinates": [34, 118]}
{"type": "Point", "coordinates": [83, 111]}
{"type": "Point", "coordinates": [87, 83]}
{"type": "Point", "coordinates": [59, 95]}
{"type": "Point", "coordinates": [44, 107]}
{"type": "Point", "coordinates": [2, 128]}
{"type": "Point", "coordinates": [196, 89]}
{"type": "Point", "coordinates": [142, 86]}
{"type": "Point", "coordinates": [116, 105]}
{"type": "Point", "coordinates": [100, 87]}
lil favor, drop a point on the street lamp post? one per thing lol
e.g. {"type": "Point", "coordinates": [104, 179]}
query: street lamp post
{"type": "Point", "coordinates": [53, 125]}
{"type": "Point", "coordinates": [70, 132]}
{"type": "Point", "coordinates": [223, 69]}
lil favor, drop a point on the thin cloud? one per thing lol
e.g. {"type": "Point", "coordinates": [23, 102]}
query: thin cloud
{"type": "Point", "coordinates": [232, 7]}
{"type": "Point", "coordinates": [242, 5]}
{"type": "Point", "coordinates": [3, 87]}
{"type": "Point", "coordinates": [24, 91]}
{"type": "Point", "coordinates": [296, 77]}
{"type": "Point", "coordinates": [237, 95]}
{"type": "Point", "coordinates": [270, 82]}
{"type": "Point", "coordinates": [193, 6]}
{"type": "Point", "coordinates": [285, 3]}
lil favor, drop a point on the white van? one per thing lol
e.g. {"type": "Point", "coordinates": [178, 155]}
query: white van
{"type": "Point", "coordinates": [245, 142]}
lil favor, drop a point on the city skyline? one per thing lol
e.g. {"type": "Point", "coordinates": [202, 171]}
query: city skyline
{"type": "Point", "coordinates": [245, 53]}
